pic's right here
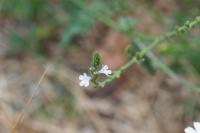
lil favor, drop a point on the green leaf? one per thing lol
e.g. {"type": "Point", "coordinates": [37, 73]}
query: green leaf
{"type": "Point", "coordinates": [126, 24]}
{"type": "Point", "coordinates": [148, 65]}
{"type": "Point", "coordinates": [131, 50]}
{"type": "Point", "coordinates": [96, 61]}
{"type": "Point", "coordinates": [128, 50]}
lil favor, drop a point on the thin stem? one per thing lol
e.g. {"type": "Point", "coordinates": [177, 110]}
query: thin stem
{"type": "Point", "coordinates": [157, 63]}
{"type": "Point", "coordinates": [27, 104]}
{"type": "Point", "coordinates": [136, 59]}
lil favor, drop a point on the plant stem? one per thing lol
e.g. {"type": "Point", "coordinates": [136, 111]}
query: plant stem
{"type": "Point", "coordinates": [136, 59]}
{"type": "Point", "coordinates": [160, 65]}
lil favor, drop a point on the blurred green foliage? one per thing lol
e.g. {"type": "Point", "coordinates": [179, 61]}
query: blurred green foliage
{"type": "Point", "coordinates": [182, 53]}
{"type": "Point", "coordinates": [39, 21]}
{"type": "Point", "coordinates": [126, 25]}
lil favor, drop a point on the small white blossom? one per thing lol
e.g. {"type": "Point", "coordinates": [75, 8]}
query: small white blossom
{"type": "Point", "coordinates": [105, 70]}
{"type": "Point", "coordinates": [196, 128]}
{"type": "Point", "coordinates": [84, 80]}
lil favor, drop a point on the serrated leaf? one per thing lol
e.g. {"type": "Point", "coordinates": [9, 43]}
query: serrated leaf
{"type": "Point", "coordinates": [96, 61]}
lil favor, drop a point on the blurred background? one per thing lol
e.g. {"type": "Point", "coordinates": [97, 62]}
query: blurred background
{"type": "Point", "coordinates": [60, 36]}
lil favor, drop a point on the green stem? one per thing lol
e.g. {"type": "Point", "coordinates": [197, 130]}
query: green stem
{"type": "Point", "coordinates": [136, 59]}
{"type": "Point", "coordinates": [160, 65]}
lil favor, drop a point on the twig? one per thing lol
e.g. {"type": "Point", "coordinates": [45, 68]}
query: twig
{"type": "Point", "coordinates": [23, 112]}
{"type": "Point", "coordinates": [136, 59]}
{"type": "Point", "coordinates": [160, 65]}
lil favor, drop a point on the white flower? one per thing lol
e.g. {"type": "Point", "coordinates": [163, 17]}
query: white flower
{"type": "Point", "coordinates": [84, 80]}
{"type": "Point", "coordinates": [105, 70]}
{"type": "Point", "coordinates": [196, 128]}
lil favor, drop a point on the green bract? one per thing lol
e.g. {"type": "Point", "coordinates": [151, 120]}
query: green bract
{"type": "Point", "coordinates": [96, 61]}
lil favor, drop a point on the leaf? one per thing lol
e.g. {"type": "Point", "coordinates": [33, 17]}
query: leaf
{"type": "Point", "coordinates": [131, 50]}
{"type": "Point", "coordinates": [134, 50]}
{"type": "Point", "coordinates": [148, 65]}
{"type": "Point", "coordinates": [96, 61]}
{"type": "Point", "coordinates": [126, 24]}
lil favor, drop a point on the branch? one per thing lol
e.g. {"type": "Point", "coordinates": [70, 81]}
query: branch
{"type": "Point", "coordinates": [137, 58]}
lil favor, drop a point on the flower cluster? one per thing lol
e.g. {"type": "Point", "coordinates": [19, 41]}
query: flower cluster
{"type": "Point", "coordinates": [85, 79]}
{"type": "Point", "coordinates": [196, 128]}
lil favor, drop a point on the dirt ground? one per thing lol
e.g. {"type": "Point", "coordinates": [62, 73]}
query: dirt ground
{"type": "Point", "coordinates": [142, 104]}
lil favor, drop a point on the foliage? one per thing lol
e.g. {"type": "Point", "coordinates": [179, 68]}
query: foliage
{"type": "Point", "coordinates": [61, 22]}
{"type": "Point", "coordinates": [143, 51]}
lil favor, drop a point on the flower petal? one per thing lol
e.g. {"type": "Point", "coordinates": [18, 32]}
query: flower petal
{"type": "Point", "coordinates": [197, 126]}
{"type": "Point", "coordinates": [105, 67]}
{"type": "Point", "coordinates": [88, 78]}
{"type": "Point", "coordinates": [85, 75]}
{"type": "Point", "coordinates": [190, 130]}
{"type": "Point", "coordinates": [86, 84]}
{"type": "Point", "coordinates": [109, 71]}
{"type": "Point", "coordinates": [81, 83]}
{"type": "Point", "coordinates": [105, 70]}
{"type": "Point", "coordinates": [81, 77]}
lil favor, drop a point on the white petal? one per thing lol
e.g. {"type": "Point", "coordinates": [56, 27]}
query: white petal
{"type": "Point", "coordinates": [190, 130]}
{"type": "Point", "coordinates": [89, 79]}
{"type": "Point", "coordinates": [84, 74]}
{"type": "Point", "coordinates": [86, 84]}
{"type": "Point", "coordinates": [109, 72]}
{"type": "Point", "coordinates": [81, 83]}
{"type": "Point", "coordinates": [197, 126]}
{"type": "Point", "coordinates": [105, 70]}
{"type": "Point", "coordinates": [105, 67]}
{"type": "Point", "coordinates": [100, 71]}
{"type": "Point", "coordinates": [81, 77]}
